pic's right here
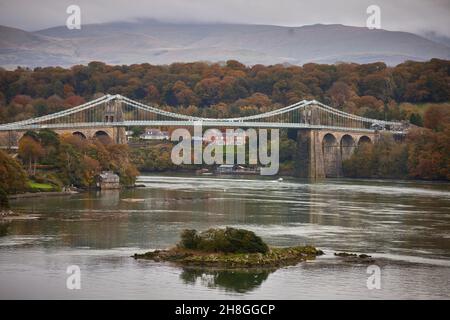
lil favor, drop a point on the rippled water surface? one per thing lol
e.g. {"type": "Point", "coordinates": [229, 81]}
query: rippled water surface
{"type": "Point", "coordinates": [404, 225]}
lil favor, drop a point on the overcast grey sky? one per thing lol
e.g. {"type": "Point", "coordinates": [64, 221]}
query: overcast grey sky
{"type": "Point", "coordinates": [405, 15]}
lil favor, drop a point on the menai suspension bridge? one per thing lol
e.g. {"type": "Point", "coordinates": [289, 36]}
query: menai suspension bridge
{"type": "Point", "coordinates": [119, 111]}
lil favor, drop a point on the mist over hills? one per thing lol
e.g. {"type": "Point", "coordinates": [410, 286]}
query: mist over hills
{"type": "Point", "coordinates": [163, 43]}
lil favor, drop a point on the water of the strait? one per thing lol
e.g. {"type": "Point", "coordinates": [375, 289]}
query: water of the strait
{"type": "Point", "coordinates": [404, 225]}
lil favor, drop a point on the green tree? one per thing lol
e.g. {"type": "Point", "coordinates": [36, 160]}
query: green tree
{"type": "Point", "coordinates": [416, 119]}
{"type": "Point", "coordinates": [359, 165]}
{"type": "Point", "coordinates": [12, 177]}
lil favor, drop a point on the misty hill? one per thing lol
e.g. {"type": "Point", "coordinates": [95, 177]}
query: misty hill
{"type": "Point", "coordinates": [161, 43]}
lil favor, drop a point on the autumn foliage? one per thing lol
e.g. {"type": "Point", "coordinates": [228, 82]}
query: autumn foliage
{"type": "Point", "coordinates": [12, 176]}
{"type": "Point", "coordinates": [72, 160]}
{"type": "Point", "coordinates": [425, 153]}
{"type": "Point", "coordinates": [229, 89]}
{"type": "Point", "coordinates": [415, 91]}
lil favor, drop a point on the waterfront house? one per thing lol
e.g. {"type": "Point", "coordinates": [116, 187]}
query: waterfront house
{"type": "Point", "coordinates": [236, 169]}
{"type": "Point", "coordinates": [129, 134]}
{"type": "Point", "coordinates": [226, 168]}
{"type": "Point", "coordinates": [108, 180]}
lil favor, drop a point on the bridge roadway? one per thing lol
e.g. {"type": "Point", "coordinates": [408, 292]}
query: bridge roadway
{"type": "Point", "coordinates": [174, 123]}
{"type": "Point", "coordinates": [325, 136]}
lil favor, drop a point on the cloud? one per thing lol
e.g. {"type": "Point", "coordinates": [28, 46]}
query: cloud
{"type": "Point", "coordinates": [404, 15]}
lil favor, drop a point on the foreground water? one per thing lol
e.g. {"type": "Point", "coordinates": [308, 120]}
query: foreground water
{"type": "Point", "coordinates": [404, 225]}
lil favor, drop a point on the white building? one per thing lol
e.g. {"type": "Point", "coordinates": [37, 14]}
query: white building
{"type": "Point", "coordinates": [233, 139]}
{"type": "Point", "coordinates": [154, 134]}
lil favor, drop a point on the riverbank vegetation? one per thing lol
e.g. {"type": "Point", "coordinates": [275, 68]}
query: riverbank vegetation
{"type": "Point", "coordinates": [231, 248]}
{"type": "Point", "coordinates": [12, 178]}
{"type": "Point", "coordinates": [49, 162]}
{"type": "Point", "coordinates": [156, 156]}
{"type": "Point", "coordinates": [414, 91]}
{"type": "Point", "coordinates": [424, 154]}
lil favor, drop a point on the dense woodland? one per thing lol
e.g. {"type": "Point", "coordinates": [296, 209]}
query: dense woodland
{"type": "Point", "coordinates": [49, 162]}
{"type": "Point", "coordinates": [414, 91]}
{"type": "Point", "coordinates": [231, 89]}
{"type": "Point", "coordinates": [424, 153]}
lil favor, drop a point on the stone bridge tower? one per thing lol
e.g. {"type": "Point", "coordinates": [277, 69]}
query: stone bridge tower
{"type": "Point", "coordinates": [113, 113]}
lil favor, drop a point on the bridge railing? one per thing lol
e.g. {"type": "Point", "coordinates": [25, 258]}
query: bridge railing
{"type": "Point", "coordinates": [116, 110]}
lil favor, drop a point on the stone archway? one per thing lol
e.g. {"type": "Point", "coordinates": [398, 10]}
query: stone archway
{"type": "Point", "coordinates": [348, 146]}
{"type": "Point", "coordinates": [331, 156]}
{"type": "Point", "coordinates": [364, 139]}
{"type": "Point", "coordinates": [102, 136]}
{"type": "Point", "coordinates": [79, 134]}
{"type": "Point", "coordinates": [101, 133]}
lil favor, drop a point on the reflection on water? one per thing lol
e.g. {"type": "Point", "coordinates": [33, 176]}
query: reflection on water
{"type": "Point", "coordinates": [4, 228]}
{"type": "Point", "coordinates": [235, 280]}
{"type": "Point", "coordinates": [407, 222]}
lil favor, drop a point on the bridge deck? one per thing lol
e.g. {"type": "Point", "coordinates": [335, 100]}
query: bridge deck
{"type": "Point", "coordinates": [214, 124]}
{"type": "Point", "coordinates": [118, 111]}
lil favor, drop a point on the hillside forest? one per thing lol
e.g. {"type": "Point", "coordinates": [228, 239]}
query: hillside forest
{"type": "Point", "coordinates": [418, 92]}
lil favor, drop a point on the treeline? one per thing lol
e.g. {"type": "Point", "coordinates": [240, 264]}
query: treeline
{"type": "Point", "coordinates": [425, 153]}
{"type": "Point", "coordinates": [230, 89]}
{"type": "Point", "coordinates": [12, 178]}
{"type": "Point", "coordinates": [67, 160]}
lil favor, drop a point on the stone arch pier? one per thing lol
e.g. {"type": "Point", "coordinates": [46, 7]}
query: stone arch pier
{"type": "Point", "coordinates": [321, 152]}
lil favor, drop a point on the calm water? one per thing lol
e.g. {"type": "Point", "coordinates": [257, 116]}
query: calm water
{"type": "Point", "coordinates": [405, 225]}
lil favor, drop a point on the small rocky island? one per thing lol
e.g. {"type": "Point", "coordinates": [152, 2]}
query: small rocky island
{"type": "Point", "coordinates": [229, 248]}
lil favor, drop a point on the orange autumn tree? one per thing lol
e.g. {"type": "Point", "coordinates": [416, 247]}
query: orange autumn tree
{"type": "Point", "coordinates": [30, 151]}
{"type": "Point", "coordinates": [429, 152]}
{"type": "Point", "coordinates": [12, 176]}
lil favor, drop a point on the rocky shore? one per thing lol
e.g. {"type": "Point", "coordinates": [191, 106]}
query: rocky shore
{"type": "Point", "coordinates": [9, 215]}
{"type": "Point", "coordinates": [275, 257]}
{"type": "Point", "coordinates": [40, 194]}
{"type": "Point", "coordinates": [4, 213]}
{"type": "Point", "coordinates": [354, 258]}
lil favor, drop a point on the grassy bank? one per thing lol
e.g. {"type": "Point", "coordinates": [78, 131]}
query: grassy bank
{"type": "Point", "coordinates": [38, 187]}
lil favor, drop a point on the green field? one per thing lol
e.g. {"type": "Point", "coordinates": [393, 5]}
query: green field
{"type": "Point", "coordinates": [40, 186]}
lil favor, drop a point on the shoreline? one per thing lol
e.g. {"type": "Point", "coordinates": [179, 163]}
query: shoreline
{"type": "Point", "coordinates": [36, 194]}
{"type": "Point", "coordinates": [192, 173]}
{"type": "Point", "coordinates": [27, 195]}
{"type": "Point", "coordinates": [276, 257]}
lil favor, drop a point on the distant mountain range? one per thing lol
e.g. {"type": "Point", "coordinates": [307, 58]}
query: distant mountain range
{"type": "Point", "coordinates": [162, 43]}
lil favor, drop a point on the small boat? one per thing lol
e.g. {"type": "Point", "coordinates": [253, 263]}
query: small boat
{"type": "Point", "coordinates": [228, 169]}
{"type": "Point", "coordinates": [133, 200]}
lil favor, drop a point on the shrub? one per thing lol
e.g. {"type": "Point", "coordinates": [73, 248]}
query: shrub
{"type": "Point", "coordinates": [12, 176]}
{"type": "Point", "coordinates": [228, 240]}
{"type": "Point", "coordinates": [189, 239]}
